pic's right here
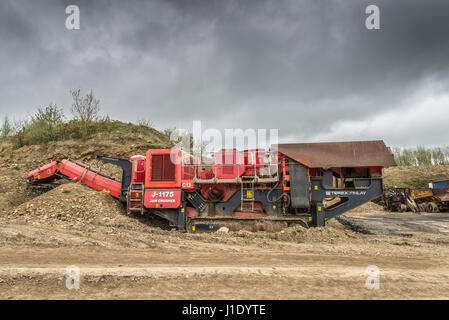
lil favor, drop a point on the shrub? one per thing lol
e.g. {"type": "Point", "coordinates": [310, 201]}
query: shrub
{"type": "Point", "coordinates": [6, 128]}
{"type": "Point", "coordinates": [145, 123]}
{"type": "Point", "coordinates": [421, 156]}
{"type": "Point", "coordinates": [20, 130]}
{"type": "Point", "coordinates": [44, 125]}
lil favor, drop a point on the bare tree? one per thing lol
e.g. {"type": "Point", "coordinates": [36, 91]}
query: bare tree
{"type": "Point", "coordinates": [85, 109]}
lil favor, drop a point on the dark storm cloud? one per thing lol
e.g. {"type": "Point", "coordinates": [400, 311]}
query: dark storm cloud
{"type": "Point", "coordinates": [309, 68]}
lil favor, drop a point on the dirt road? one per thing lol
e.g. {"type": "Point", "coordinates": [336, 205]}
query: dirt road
{"type": "Point", "coordinates": [400, 224]}
{"type": "Point", "coordinates": [134, 274]}
{"type": "Point", "coordinates": [173, 265]}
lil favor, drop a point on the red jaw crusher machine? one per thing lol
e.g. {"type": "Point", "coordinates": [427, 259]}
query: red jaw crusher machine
{"type": "Point", "coordinates": [306, 183]}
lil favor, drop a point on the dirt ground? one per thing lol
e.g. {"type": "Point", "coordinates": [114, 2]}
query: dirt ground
{"type": "Point", "coordinates": [134, 257]}
{"type": "Point", "coordinates": [138, 257]}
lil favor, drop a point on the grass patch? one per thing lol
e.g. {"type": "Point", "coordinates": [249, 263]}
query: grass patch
{"type": "Point", "coordinates": [415, 176]}
{"type": "Point", "coordinates": [35, 133]}
{"type": "Point", "coordinates": [65, 191]}
{"type": "Point", "coordinates": [16, 167]}
{"type": "Point", "coordinates": [274, 237]}
{"type": "Point", "coordinates": [403, 243]}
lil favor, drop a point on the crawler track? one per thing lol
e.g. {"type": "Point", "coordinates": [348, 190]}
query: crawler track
{"type": "Point", "coordinates": [204, 224]}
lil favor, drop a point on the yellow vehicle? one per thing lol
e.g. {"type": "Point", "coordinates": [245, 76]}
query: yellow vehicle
{"type": "Point", "coordinates": [431, 200]}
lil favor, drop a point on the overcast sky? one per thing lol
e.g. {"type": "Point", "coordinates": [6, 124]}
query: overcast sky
{"type": "Point", "coordinates": [309, 68]}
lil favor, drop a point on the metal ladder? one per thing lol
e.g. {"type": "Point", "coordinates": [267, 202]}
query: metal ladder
{"type": "Point", "coordinates": [247, 196]}
{"type": "Point", "coordinates": [135, 197]}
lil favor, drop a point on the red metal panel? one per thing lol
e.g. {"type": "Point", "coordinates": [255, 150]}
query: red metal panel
{"type": "Point", "coordinates": [157, 164]}
{"type": "Point", "coordinates": [162, 198]}
{"type": "Point", "coordinates": [163, 168]}
{"type": "Point", "coordinates": [137, 169]}
{"type": "Point", "coordinates": [169, 169]}
{"type": "Point", "coordinates": [89, 178]}
{"type": "Point", "coordinates": [155, 168]}
{"type": "Point", "coordinates": [255, 162]}
{"type": "Point", "coordinates": [45, 172]}
{"type": "Point", "coordinates": [189, 166]}
{"type": "Point", "coordinates": [228, 164]}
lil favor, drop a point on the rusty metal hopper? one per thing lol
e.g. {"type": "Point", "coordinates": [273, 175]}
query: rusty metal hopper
{"type": "Point", "coordinates": [441, 193]}
{"type": "Point", "coordinates": [339, 154]}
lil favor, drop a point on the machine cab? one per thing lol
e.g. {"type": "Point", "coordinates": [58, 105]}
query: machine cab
{"type": "Point", "coordinates": [136, 188]}
{"type": "Point", "coordinates": [138, 169]}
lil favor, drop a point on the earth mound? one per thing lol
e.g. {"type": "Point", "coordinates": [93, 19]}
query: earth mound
{"type": "Point", "coordinates": [71, 202]}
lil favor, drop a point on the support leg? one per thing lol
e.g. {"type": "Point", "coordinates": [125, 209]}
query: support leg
{"type": "Point", "coordinates": [318, 215]}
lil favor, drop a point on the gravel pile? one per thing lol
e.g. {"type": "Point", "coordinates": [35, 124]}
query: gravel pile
{"type": "Point", "coordinates": [333, 231]}
{"type": "Point", "coordinates": [71, 202]}
{"type": "Point", "coordinates": [368, 207]}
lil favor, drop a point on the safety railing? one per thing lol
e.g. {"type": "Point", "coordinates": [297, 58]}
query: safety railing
{"type": "Point", "coordinates": [270, 170]}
